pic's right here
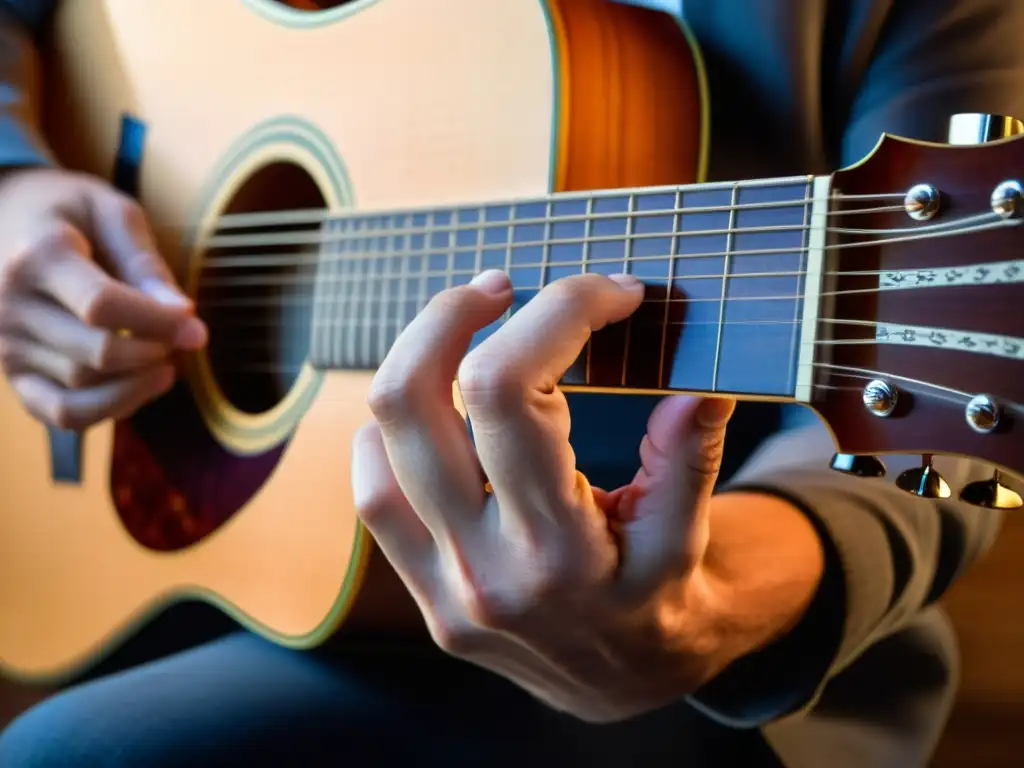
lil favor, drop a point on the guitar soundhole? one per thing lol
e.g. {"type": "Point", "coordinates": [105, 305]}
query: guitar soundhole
{"type": "Point", "coordinates": [256, 287]}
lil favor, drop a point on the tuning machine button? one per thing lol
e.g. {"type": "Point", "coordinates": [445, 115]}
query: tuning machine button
{"type": "Point", "coordinates": [983, 414]}
{"type": "Point", "coordinates": [991, 494]}
{"type": "Point", "coordinates": [922, 202]}
{"type": "Point", "coordinates": [858, 466]}
{"type": "Point", "coordinates": [924, 481]}
{"type": "Point", "coordinates": [1008, 199]}
{"type": "Point", "coordinates": [880, 398]}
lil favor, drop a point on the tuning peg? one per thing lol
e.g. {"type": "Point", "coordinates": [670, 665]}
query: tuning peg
{"type": "Point", "coordinates": [859, 466]}
{"type": "Point", "coordinates": [991, 494]}
{"type": "Point", "coordinates": [924, 481]}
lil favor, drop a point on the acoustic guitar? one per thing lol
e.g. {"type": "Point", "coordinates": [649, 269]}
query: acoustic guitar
{"type": "Point", "coordinates": [317, 184]}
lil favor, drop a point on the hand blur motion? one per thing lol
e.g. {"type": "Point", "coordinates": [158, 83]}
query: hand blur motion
{"type": "Point", "coordinates": [90, 316]}
{"type": "Point", "coordinates": [591, 600]}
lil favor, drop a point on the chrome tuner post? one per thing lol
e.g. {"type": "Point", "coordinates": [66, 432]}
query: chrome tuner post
{"type": "Point", "coordinates": [924, 481]}
{"type": "Point", "coordinates": [858, 466]}
{"type": "Point", "coordinates": [991, 494]}
{"type": "Point", "coordinates": [978, 128]}
{"type": "Point", "coordinates": [972, 128]}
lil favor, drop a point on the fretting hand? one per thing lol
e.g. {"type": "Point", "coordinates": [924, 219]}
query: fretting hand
{"type": "Point", "coordinates": [90, 316]}
{"type": "Point", "coordinates": [591, 600]}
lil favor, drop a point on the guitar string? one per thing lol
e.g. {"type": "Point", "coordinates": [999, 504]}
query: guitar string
{"type": "Point", "coordinates": [738, 344]}
{"type": "Point", "coordinates": [449, 274]}
{"type": "Point", "coordinates": [221, 243]}
{"type": "Point", "coordinates": [312, 216]}
{"type": "Point", "coordinates": [936, 391]}
{"type": "Point", "coordinates": [959, 226]}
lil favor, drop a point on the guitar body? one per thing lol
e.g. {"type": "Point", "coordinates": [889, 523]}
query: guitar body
{"type": "Point", "coordinates": [235, 487]}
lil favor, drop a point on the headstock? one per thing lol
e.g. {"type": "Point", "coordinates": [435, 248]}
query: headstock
{"type": "Point", "coordinates": [921, 340]}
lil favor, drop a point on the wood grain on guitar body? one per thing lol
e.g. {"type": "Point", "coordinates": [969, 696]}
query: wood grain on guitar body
{"type": "Point", "coordinates": [317, 184]}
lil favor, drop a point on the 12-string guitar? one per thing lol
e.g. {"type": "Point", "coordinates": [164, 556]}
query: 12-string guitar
{"type": "Point", "coordinates": [317, 184]}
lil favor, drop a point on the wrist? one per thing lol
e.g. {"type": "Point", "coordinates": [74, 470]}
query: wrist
{"type": "Point", "coordinates": [757, 578]}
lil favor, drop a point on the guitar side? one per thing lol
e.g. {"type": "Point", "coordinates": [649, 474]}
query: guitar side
{"type": "Point", "coordinates": [250, 508]}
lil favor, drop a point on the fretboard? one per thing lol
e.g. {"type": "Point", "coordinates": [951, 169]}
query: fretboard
{"type": "Point", "coordinates": [724, 267]}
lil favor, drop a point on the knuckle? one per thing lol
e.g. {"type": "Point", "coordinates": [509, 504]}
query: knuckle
{"type": "Point", "coordinates": [78, 376]}
{"type": "Point", "coordinates": [454, 637]}
{"type": "Point", "coordinates": [14, 272]}
{"type": "Point", "coordinates": [130, 212]}
{"type": "Point", "coordinates": [10, 353]}
{"type": "Point", "coordinates": [98, 302]}
{"type": "Point", "coordinates": [391, 399]}
{"type": "Point", "coordinates": [58, 237]}
{"type": "Point", "coordinates": [455, 300]}
{"type": "Point", "coordinates": [504, 604]}
{"type": "Point", "coordinates": [707, 459]}
{"type": "Point", "coordinates": [61, 236]}
{"type": "Point", "coordinates": [492, 607]}
{"type": "Point", "coordinates": [576, 289]}
{"type": "Point", "coordinates": [65, 417]}
{"type": "Point", "coordinates": [490, 384]}
{"type": "Point", "coordinates": [377, 506]}
{"type": "Point", "coordinates": [105, 351]}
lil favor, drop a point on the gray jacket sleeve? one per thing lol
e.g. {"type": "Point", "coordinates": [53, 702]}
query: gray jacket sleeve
{"type": "Point", "coordinates": [890, 556]}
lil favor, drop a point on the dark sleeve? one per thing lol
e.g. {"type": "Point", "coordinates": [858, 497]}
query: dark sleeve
{"type": "Point", "coordinates": [21, 21]}
{"type": "Point", "coordinates": [888, 554]}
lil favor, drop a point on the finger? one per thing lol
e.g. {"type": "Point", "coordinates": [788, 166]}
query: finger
{"type": "Point", "coordinates": [77, 409]}
{"type": "Point", "coordinates": [102, 351]}
{"type": "Point", "coordinates": [387, 514]}
{"type": "Point", "coordinates": [426, 438]}
{"type": "Point", "coordinates": [666, 529]}
{"type": "Point", "coordinates": [97, 299]}
{"type": "Point", "coordinates": [520, 420]}
{"type": "Point", "coordinates": [25, 356]}
{"type": "Point", "coordinates": [118, 228]}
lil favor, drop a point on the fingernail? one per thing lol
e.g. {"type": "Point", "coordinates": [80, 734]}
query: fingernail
{"type": "Point", "coordinates": [625, 280]}
{"type": "Point", "coordinates": [164, 293]}
{"type": "Point", "coordinates": [715, 412]}
{"type": "Point", "coordinates": [491, 281]}
{"type": "Point", "coordinates": [191, 334]}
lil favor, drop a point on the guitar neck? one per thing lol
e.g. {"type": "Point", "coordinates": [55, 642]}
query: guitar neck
{"type": "Point", "coordinates": [732, 274]}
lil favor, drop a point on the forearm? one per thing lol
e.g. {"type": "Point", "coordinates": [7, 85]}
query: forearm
{"type": "Point", "coordinates": [762, 567]}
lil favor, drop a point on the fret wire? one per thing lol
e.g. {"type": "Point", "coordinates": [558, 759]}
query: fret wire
{"type": "Point", "coordinates": [451, 249]}
{"type": "Point", "coordinates": [588, 230]}
{"type": "Point", "coordinates": [424, 295]}
{"type": "Point", "coordinates": [319, 215]}
{"type": "Point", "coordinates": [674, 252]}
{"type": "Point", "coordinates": [317, 342]}
{"type": "Point", "coordinates": [386, 292]}
{"type": "Point", "coordinates": [367, 301]}
{"type": "Point", "coordinates": [478, 257]}
{"type": "Point", "coordinates": [969, 225]}
{"type": "Point", "coordinates": [341, 337]}
{"type": "Point", "coordinates": [317, 238]}
{"type": "Point", "coordinates": [470, 272]}
{"type": "Point", "coordinates": [508, 255]}
{"type": "Point", "coordinates": [364, 300]}
{"type": "Point", "coordinates": [337, 346]}
{"type": "Point", "coordinates": [403, 298]}
{"type": "Point", "coordinates": [627, 269]}
{"type": "Point", "coordinates": [725, 284]}
{"type": "Point", "coordinates": [545, 254]}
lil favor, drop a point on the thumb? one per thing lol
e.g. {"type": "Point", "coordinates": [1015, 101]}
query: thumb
{"type": "Point", "coordinates": [664, 526]}
{"type": "Point", "coordinates": [124, 241]}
